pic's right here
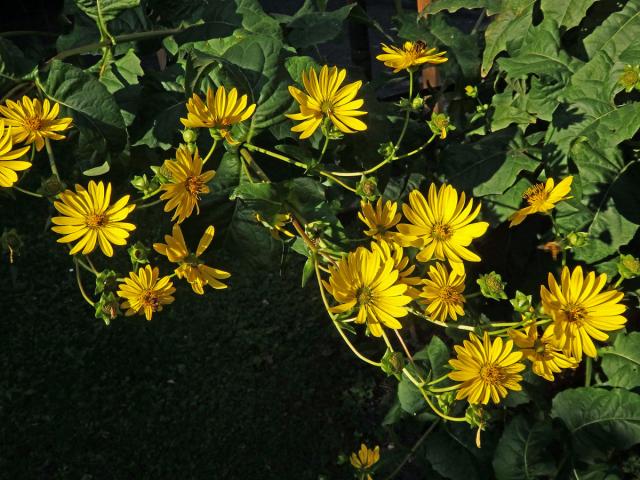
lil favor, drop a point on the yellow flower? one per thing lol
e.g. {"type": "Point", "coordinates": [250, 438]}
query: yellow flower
{"type": "Point", "coordinates": [541, 198]}
{"type": "Point", "coordinates": [187, 183]}
{"type": "Point", "coordinates": [191, 267]}
{"type": "Point", "coordinates": [146, 293]}
{"type": "Point", "coordinates": [89, 219]}
{"type": "Point", "coordinates": [221, 111]}
{"type": "Point", "coordinates": [581, 311]}
{"type": "Point", "coordinates": [486, 369]}
{"type": "Point", "coordinates": [366, 282]}
{"type": "Point", "coordinates": [33, 121]}
{"type": "Point", "coordinates": [9, 164]}
{"type": "Point", "coordinates": [543, 352]}
{"type": "Point", "coordinates": [443, 292]}
{"type": "Point", "coordinates": [381, 219]}
{"type": "Point", "coordinates": [324, 99]}
{"type": "Point", "coordinates": [365, 458]}
{"type": "Point", "coordinates": [441, 226]}
{"type": "Point", "coordinates": [390, 250]}
{"type": "Point", "coordinates": [410, 55]}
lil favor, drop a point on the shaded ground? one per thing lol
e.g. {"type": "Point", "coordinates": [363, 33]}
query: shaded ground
{"type": "Point", "coordinates": [249, 382]}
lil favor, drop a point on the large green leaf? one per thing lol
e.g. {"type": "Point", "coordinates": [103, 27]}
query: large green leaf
{"type": "Point", "coordinates": [621, 361]}
{"type": "Point", "coordinates": [13, 64]}
{"type": "Point", "coordinates": [567, 13]}
{"type": "Point", "coordinates": [451, 457]}
{"type": "Point", "coordinates": [94, 110]}
{"type": "Point", "coordinates": [436, 355]}
{"type": "Point", "coordinates": [105, 10]}
{"type": "Point", "coordinates": [617, 32]}
{"type": "Point", "coordinates": [490, 165]}
{"type": "Point", "coordinates": [599, 420]}
{"type": "Point", "coordinates": [510, 24]}
{"type": "Point", "coordinates": [436, 6]}
{"type": "Point", "coordinates": [510, 107]}
{"type": "Point", "coordinates": [522, 452]}
{"type": "Point", "coordinates": [312, 28]}
{"type": "Point", "coordinates": [410, 398]}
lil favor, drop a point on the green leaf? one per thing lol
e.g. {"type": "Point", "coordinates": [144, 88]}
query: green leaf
{"type": "Point", "coordinates": [105, 10]}
{"type": "Point", "coordinates": [490, 165]}
{"type": "Point", "coordinates": [621, 361]}
{"type": "Point", "coordinates": [313, 28]}
{"type": "Point", "coordinates": [598, 419]}
{"type": "Point", "coordinates": [539, 53]}
{"type": "Point", "coordinates": [449, 456]}
{"type": "Point", "coordinates": [94, 110]}
{"type": "Point", "coordinates": [522, 452]}
{"type": "Point", "coordinates": [123, 72]}
{"type": "Point", "coordinates": [13, 64]}
{"type": "Point", "coordinates": [511, 23]}
{"type": "Point", "coordinates": [566, 13]}
{"type": "Point", "coordinates": [298, 64]}
{"type": "Point", "coordinates": [410, 398]}
{"type": "Point", "coordinates": [436, 6]}
{"type": "Point", "coordinates": [437, 356]}
{"type": "Point", "coordinates": [307, 270]}
{"type": "Point", "coordinates": [617, 32]}
{"type": "Point", "coordinates": [509, 107]}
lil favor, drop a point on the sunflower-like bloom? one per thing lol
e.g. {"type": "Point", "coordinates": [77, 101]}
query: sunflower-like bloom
{"type": "Point", "coordinates": [89, 218]}
{"type": "Point", "coordinates": [365, 458]}
{"type": "Point", "coordinates": [443, 293]}
{"type": "Point", "coordinates": [33, 121]}
{"type": "Point", "coordinates": [146, 293]}
{"type": "Point", "coordinates": [364, 281]}
{"type": "Point", "coordinates": [390, 250]}
{"type": "Point", "coordinates": [221, 111]}
{"type": "Point", "coordinates": [380, 219]}
{"type": "Point", "coordinates": [541, 198]}
{"type": "Point", "coordinates": [186, 184]}
{"type": "Point", "coordinates": [543, 352]}
{"type": "Point", "coordinates": [581, 311]}
{"type": "Point", "coordinates": [9, 163]}
{"type": "Point", "coordinates": [486, 369]}
{"type": "Point", "coordinates": [325, 99]}
{"type": "Point", "coordinates": [190, 266]}
{"type": "Point", "coordinates": [441, 226]}
{"type": "Point", "coordinates": [410, 55]}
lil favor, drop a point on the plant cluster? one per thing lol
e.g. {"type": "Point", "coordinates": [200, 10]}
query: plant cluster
{"type": "Point", "coordinates": [541, 157]}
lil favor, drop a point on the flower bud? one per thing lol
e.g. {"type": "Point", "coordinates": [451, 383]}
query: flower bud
{"type": "Point", "coordinates": [521, 302]}
{"type": "Point", "coordinates": [52, 186]}
{"type": "Point", "coordinates": [446, 401]}
{"type": "Point", "coordinates": [492, 286]}
{"type": "Point", "coordinates": [216, 134]}
{"type": "Point", "coordinates": [628, 266]}
{"type": "Point", "coordinates": [577, 239]}
{"type": "Point", "coordinates": [440, 125]}
{"type": "Point", "coordinates": [367, 188]}
{"type": "Point", "coordinates": [11, 243]}
{"type": "Point", "coordinates": [393, 363]}
{"type": "Point", "coordinates": [189, 136]}
{"type": "Point", "coordinates": [471, 91]}
{"type": "Point", "coordinates": [386, 149]}
{"type": "Point", "coordinates": [107, 308]}
{"type": "Point", "coordinates": [630, 78]}
{"type": "Point", "coordinates": [138, 254]}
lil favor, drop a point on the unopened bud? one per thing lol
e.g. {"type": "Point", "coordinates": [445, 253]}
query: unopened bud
{"type": "Point", "coordinates": [392, 363]}
{"type": "Point", "coordinates": [492, 286]}
{"type": "Point", "coordinates": [52, 186]}
{"type": "Point", "coordinates": [189, 136]}
{"type": "Point", "coordinates": [628, 266]}
{"type": "Point", "coordinates": [471, 91]}
{"type": "Point", "coordinates": [367, 188]}
{"type": "Point", "coordinates": [521, 302]}
{"type": "Point", "coordinates": [138, 254]}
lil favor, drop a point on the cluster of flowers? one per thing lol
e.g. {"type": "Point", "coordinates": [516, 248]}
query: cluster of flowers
{"type": "Point", "coordinates": [377, 286]}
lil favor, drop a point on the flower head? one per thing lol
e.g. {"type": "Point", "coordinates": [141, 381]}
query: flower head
{"type": "Point", "coordinates": [630, 78]}
{"type": "Point", "coordinates": [393, 251]}
{"type": "Point", "coordinates": [486, 369]}
{"type": "Point", "coordinates": [410, 55]}
{"type": "Point", "coordinates": [440, 125]}
{"type": "Point", "coordinates": [146, 293]}
{"type": "Point", "coordinates": [541, 198]}
{"type": "Point", "coordinates": [88, 217]}
{"type": "Point", "coordinates": [191, 266]}
{"type": "Point", "coordinates": [581, 311]}
{"type": "Point", "coordinates": [9, 163]}
{"type": "Point", "coordinates": [365, 458]}
{"type": "Point", "coordinates": [363, 280]}
{"type": "Point", "coordinates": [324, 99]}
{"type": "Point", "coordinates": [187, 183]}
{"type": "Point", "coordinates": [380, 219]}
{"type": "Point", "coordinates": [33, 121]}
{"type": "Point", "coordinates": [443, 293]}
{"type": "Point", "coordinates": [543, 352]}
{"type": "Point", "coordinates": [221, 111]}
{"type": "Point", "coordinates": [441, 226]}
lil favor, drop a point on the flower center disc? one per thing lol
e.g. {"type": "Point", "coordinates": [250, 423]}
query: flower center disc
{"type": "Point", "coordinates": [150, 299]}
{"type": "Point", "coordinates": [33, 123]}
{"type": "Point", "coordinates": [491, 374]}
{"type": "Point", "coordinates": [326, 106]}
{"type": "Point", "coordinates": [575, 313]}
{"type": "Point", "coordinates": [194, 185]}
{"type": "Point", "coordinates": [535, 194]}
{"type": "Point", "coordinates": [96, 220]}
{"type": "Point", "coordinates": [364, 295]}
{"type": "Point", "coordinates": [441, 232]}
{"type": "Point", "coordinates": [449, 295]}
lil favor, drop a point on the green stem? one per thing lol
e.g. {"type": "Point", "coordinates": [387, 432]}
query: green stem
{"type": "Point", "coordinates": [417, 150]}
{"type": "Point", "coordinates": [618, 282]}
{"type": "Point", "coordinates": [473, 295]}
{"type": "Point", "coordinates": [413, 450]}
{"type": "Point", "coordinates": [254, 166]}
{"type": "Point", "coordinates": [79, 280]}
{"type": "Point", "coordinates": [406, 115]}
{"type": "Point", "coordinates": [588, 369]}
{"type": "Point", "coordinates": [386, 341]}
{"type": "Point", "coordinates": [468, 328]}
{"type": "Point", "coordinates": [439, 379]}
{"type": "Point", "coordinates": [336, 324]}
{"type": "Point", "coordinates": [324, 149]}
{"type": "Point", "coordinates": [425, 395]}
{"type": "Point", "coordinates": [27, 192]}
{"type": "Point", "coordinates": [147, 205]}
{"type": "Point", "coordinates": [85, 266]}
{"type": "Point", "coordinates": [213, 147]}
{"type": "Point", "coordinates": [52, 158]}
{"type": "Point", "coordinates": [130, 37]}
{"type": "Point", "coordinates": [275, 155]}
{"type": "Point", "coordinates": [444, 389]}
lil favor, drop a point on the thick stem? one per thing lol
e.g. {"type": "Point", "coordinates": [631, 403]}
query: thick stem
{"type": "Point", "coordinates": [468, 328]}
{"type": "Point", "coordinates": [52, 158]}
{"type": "Point", "coordinates": [79, 280]}
{"type": "Point", "coordinates": [213, 147]}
